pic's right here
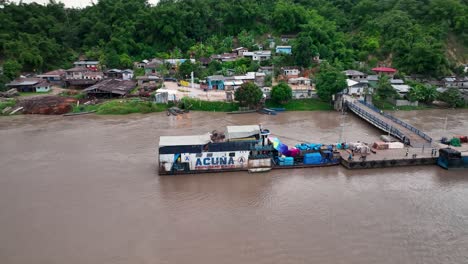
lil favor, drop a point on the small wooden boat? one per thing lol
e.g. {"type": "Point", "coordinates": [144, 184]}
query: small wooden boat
{"type": "Point", "coordinates": [257, 170]}
{"type": "Point", "coordinates": [80, 113]}
{"type": "Point", "coordinates": [241, 112]}
{"type": "Point", "coordinates": [267, 111]}
{"type": "Point", "coordinates": [278, 109]}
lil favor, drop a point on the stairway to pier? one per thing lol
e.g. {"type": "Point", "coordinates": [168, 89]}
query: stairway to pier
{"type": "Point", "coordinates": [388, 123]}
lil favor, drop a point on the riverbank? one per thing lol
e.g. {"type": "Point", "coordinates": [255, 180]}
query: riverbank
{"type": "Point", "coordinates": [123, 106]}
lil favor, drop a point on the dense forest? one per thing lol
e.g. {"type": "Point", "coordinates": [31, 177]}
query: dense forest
{"type": "Point", "coordinates": [427, 37]}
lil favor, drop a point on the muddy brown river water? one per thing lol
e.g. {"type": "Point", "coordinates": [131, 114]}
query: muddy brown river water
{"type": "Point", "coordinates": [85, 189]}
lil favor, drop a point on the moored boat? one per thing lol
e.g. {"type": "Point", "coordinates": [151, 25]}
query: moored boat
{"type": "Point", "coordinates": [249, 148]}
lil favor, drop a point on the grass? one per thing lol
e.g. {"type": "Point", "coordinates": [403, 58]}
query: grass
{"type": "Point", "coordinates": [34, 93]}
{"type": "Point", "coordinates": [200, 105]}
{"type": "Point", "coordinates": [385, 105]}
{"type": "Point", "coordinates": [122, 107]}
{"type": "Point", "coordinates": [7, 103]}
{"type": "Point", "coordinates": [312, 104]}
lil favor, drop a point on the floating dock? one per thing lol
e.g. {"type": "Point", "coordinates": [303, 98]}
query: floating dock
{"type": "Point", "coordinates": [389, 158]}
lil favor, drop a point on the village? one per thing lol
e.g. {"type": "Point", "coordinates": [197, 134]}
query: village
{"type": "Point", "coordinates": [160, 81]}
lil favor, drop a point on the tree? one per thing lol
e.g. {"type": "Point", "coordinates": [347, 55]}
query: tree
{"type": "Point", "coordinates": [421, 92]}
{"type": "Point", "coordinates": [125, 61]}
{"type": "Point", "coordinates": [304, 50]}
{"type": "Point", "coordinates": [453, 97]}
{"type": "Point", "coordinates": [384, 88]}
{"type": "Point", "coordinates": [281, 93]}
{"type": "Point", "coordinates": [268, 80]}
{"type": "Point", "coordinates": [11, 69]}
{"type": "Point", "coordinates": [248, 94]}
{"type": "Point", "coordinates": [185, 69]}
{"type": "Point", "coordinates": [329, 81]}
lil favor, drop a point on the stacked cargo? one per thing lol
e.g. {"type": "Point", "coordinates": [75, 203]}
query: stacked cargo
{"type": "Point", "coordinates": [379, 145]}
{"type": "Point", "coordinates": [312, 158]}
{"type": "Point", "coordinates": [286, 161]}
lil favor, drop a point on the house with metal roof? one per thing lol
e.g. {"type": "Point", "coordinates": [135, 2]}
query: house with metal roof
{"type": "Point", "coordinates": [30, 85]}
{"type": "Point", "coordinates": [284, 49]}
{"type": "Point", "coordinates": [215, 82]}
{"type": "Point", "coordinates": [94, 65]}
{"type": "Point", "coordinates": [385, 70]}
{"type": "Point", "coordinates": [110, 88]}
{"type": "Point", "coordinates": [355, 75]}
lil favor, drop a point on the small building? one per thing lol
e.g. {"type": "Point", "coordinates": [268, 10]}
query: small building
{"type": "Point", "coordinates": [397, 81]}
{"type": "Point", "coordinates": [373, 80]}
{"type": "Point", "coordinates": [287, 38]}
{"type": "Point", "coordinates": [176, 62]}
{"type": "Point", "coordinates": [402, 89]}
{"type": "Point", "coordinates": [54, 77]}
{"type": "Point", "coordinates": [358, 88]}
{"type": "Point", "coordinates": [266, 69]}
{"type": "Point", "coordinates": [163, 96]}
{"type": "Point", "coordinates": [127, 74]}
{"type": "Point", "coordinates": [454, 82]}
{"type": "Point", "coordinates": [82, 77]}
{"type": "Point", "coordinates": [110, 88]}
{"type": "Point", "coordinates": [152, 66]}
{"type": "Point", "coordinates": [113, 74]}
{"type": "Point", "coordinates": [260, 55]}
{"type": "Point", "coordinates": [30, 85]}
{"type": "Point", "coordinates": [284, 49]}
{"type": "Point", "coordinates": [290, 72]}
{"type": "Point", "coordinates": [384, 71]}
{"type": "Point", "coordinates": [141, 64]}
{"type": "Point", "coordinates": [299, 81]}
{"type": "Point", "coordinates": [355, 75]}
{"type": "Point", "coordinates": [149, 81]}
{"type": "Point", "coordinates": [224, 57]}
{"type": "Point", "coordinates": [240, 51]}
{"type": "Point", "coordinates": [215, 82]}
{"type": "Point", "coordinates": [93, 65]}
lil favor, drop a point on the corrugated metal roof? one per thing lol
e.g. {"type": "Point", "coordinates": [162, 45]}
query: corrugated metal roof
{"type": "Point", "coordinates": [242, 131]}
{"type": "Point", "coordinates": [401, 88]}
{"type": "Point", "coordinates": [165, 141]}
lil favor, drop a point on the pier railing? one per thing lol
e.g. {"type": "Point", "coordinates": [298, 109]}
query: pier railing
{"type": "Point", "coordinates": [375, 121]}
{"type": "Point", "coordinates": [398, 121]}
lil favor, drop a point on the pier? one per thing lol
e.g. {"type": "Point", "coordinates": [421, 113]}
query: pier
{"type": "Point", "coordinates": [401, 130]}
{"type": "Point", "coordinates": [419, 144]}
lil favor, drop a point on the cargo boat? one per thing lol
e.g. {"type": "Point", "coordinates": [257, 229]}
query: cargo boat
{"type": "Point", "coordinates": [452, 159]}
{"type": "Point", "coordinates": [242, 148]}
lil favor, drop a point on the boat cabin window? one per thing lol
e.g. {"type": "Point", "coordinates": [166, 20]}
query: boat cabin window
{"type": "Point", "coordinates": [209, 155]}
{"type": "Point", "coordinates": [232, 154]}
{"type": "Point", "coordinates": [198, 155]}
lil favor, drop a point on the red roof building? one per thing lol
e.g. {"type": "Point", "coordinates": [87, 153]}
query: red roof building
{"type": "Point", "coordinates": [384, 70]}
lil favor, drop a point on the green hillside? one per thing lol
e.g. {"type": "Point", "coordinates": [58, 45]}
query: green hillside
{"type": "Point", "coordinates": [417, 36]}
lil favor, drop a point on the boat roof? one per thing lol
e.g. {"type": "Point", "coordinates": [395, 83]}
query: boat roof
{"type": "Point", "coordinates": [234, 132]}
{"type": "Point", "coordinates": [165, 141]}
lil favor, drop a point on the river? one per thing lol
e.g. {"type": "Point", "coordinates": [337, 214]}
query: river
{"type": "Point", "coordinates": [85, 189]}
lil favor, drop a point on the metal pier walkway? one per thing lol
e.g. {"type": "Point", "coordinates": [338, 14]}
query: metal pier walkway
{"type": "Point", "coordinates": [388, 123]}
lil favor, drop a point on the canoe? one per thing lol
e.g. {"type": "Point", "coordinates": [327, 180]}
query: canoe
{"type": "Point", "coordinates": [241, 112]}
{"type": "Point", "coordinates": [80, 113]}
{"type": "Point", "coordinates": [267, 111]}
{"type": "Point", "coordinates": [278, 109]}
{"type": "Point", "coordinates": [256, 170]}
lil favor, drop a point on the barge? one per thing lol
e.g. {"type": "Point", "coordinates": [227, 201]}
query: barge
{"type": "Point", "coordinates": [242, 148]}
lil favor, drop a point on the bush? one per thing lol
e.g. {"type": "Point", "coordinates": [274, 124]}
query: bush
{"type": "Point", "coordinates": [453, 97]}
{"type": "Point", "coordinates": [281, 93]}
{"type": "Point", "coordinates": [248, 94]}
{"type": "Point", "coordinates": [7, 103]}
{"type": "Point", "coordinates": [121, 107]}
{"type": "Point", "coordinates": [199, 105]}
